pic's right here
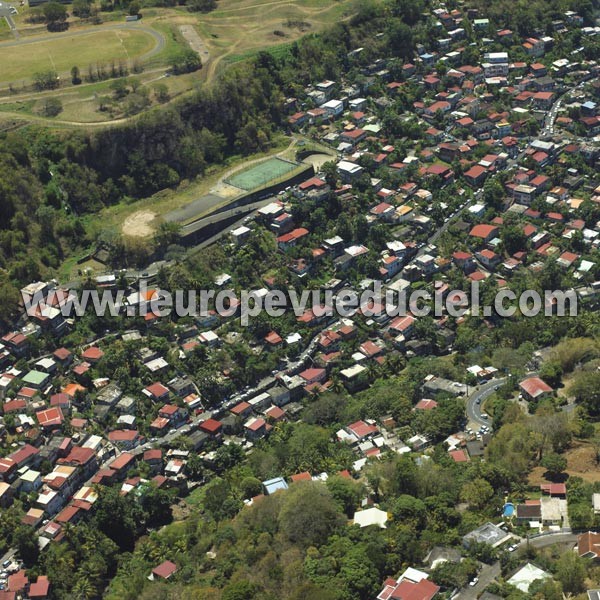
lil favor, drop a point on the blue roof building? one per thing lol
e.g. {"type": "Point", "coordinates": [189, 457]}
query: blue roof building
{"type": "Point", "coordinates": [273, 485]}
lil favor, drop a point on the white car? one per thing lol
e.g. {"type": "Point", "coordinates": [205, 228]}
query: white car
{"type": "Point", "coordinates": [474, 582]}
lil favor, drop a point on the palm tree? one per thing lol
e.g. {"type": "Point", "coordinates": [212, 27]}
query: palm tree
{"type": "Point", "coordinates": [336, 385]}
{"type": "Point", "coordinates": [83, 589]}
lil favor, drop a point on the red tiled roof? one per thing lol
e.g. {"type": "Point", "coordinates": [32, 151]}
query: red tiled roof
{"type": "Point", "coordinates": [123, 435]}
{"type": "Point", "coordinates": [160, 423]}
{"type": "Point", "coordinates": [475, 171]}
{"type": "Point", "coordinates": [426, 404]}
{"type": "Point", "coordinates": [459, 456]}
{"type": "Point", "coordinates": [354, 134]}
{"type": "Point", "coordinates": [313, 374]}
{"type": "Point", "coordinates": [123, 460]}
{"type": "Point", "coordinates": [554, 489]}
{"type": "Point", "coordinates": [362, 429]}
{"type": "Point", "coordinates": [211, 425]}
{"type": "Point", "coordinates": [534, 387]}
{"type": "Point", "coordinates": [168, 409]}
{"type": "Point", "coordinates": [23, 454]}
{"type": "Point", "coordinates": [60, 399]}
{"type": "Point", "coordinates": [257, 424]}
{"type": "Point", "coordinates": [79, 455]}
{"type": "Point", "coordinates": [14, 405]}
{"type": "Point", "coordinates": [240, 408]}
{"type": "Point", "coordinates": [370, 349]}
{"type": "Point", "coordinates": [157, 390]}
{"type": "Point", "coordinates": [66, 514]}
{"type": "Point", "coordinates": [274, 412]}
{"type": "Point", "coordinates": [40, 588]}
{"type": "Point", "coordinates": [409, 590]}
{"type": "Point", "coordinates": [165, 569]}
{"type": "Point", "coordinates": [483, 231]}
{"type": "Point", "coordinates": [296, 234]}
{"type": "Point", "coordinates": [460, 255]}
{"type": "Point", "coordinates": [18, 581]}
{"type": "Point", "coordinates": [92, 353]}
{"type": "Point", "coordinates": [50, 417]}
{"type": "Point", "coordinates": [153, 454]}
{"type": "Point", "coordinates": [62, 354]}
{"type": "Point", "coordinates": [273, 338]}
{"type": "Point", "coordinates": [588, 543]}
{"type": "Point", "coordinates": [312, 182]}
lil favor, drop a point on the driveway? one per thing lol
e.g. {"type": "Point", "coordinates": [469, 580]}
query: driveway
{"type": "Point", "coordinates": [487, 574]}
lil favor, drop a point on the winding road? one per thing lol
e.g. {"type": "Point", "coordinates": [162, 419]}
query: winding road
{"type": "Point", "coordinates": [476, 399]}
{"type": "Point", "coordinates": [550, 119]}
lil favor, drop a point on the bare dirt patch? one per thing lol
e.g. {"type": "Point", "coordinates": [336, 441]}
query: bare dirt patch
{"type": "Point", "coordinates": [581, 462]}
{"type": "Point", "coordinates": [139, 224]}
{"type": "Point", "coordinates": [195, 41]}
{"type": "Point", "coordinates": [318, 160]}
{"type": "Point", "coordinates": [181, 511]}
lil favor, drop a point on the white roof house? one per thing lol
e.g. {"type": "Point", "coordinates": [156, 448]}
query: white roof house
{"type": "Point", "coordinates": [596, 503]}
{"type": "Point", "coordinates": [524, 577]}
{"type": "Point", "coordinates": [371, 516]}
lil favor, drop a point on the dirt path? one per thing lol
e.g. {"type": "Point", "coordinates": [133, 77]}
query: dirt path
{"type": "Point", "coordinates": [195, 41]}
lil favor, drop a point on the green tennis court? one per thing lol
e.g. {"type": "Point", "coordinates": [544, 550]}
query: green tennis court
{"type": "Point", "coordinates": [261, 174]}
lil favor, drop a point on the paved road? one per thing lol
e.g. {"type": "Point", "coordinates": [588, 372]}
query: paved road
{"type": "Point", "coordinates": [211, 240]}
{"type": "Point", "coordinates": [550, 539]}
{"type": "Point", "coordinates": [550, 119]}
{"type": "Point", "coordinates": [243, 211]}
{"type": "Point", "coordinates": [476, 399]}
{"type": "Point", "coordinates": [487, 574]}
{"type": "Point", "coordinates": [8, 555]}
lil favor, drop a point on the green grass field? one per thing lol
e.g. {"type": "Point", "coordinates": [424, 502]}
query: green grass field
{"type": "Point", "coordinates": [261, 174]}
{"type": "Point", "coordinates": [22, 61]}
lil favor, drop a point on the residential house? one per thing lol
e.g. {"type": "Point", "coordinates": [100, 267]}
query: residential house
{"type": "Point", "coordinates": [535, 389]}
{"type": "Point", "coordinates": [412, 585]}
{"type": "Point", "coordinates": [486, 233]}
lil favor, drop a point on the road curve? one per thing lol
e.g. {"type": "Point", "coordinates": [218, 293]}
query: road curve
{"type": "Point", "coordinates": [476, 399]}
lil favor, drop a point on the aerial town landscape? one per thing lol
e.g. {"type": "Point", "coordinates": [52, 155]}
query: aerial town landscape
{"type": "Point", "coordinates": [350, 149]}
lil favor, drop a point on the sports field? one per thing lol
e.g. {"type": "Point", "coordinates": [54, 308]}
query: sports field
{"type": "Point", "coordinates": [261, 174]}
{"type": "Point", "coordinates": [25, 59]}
